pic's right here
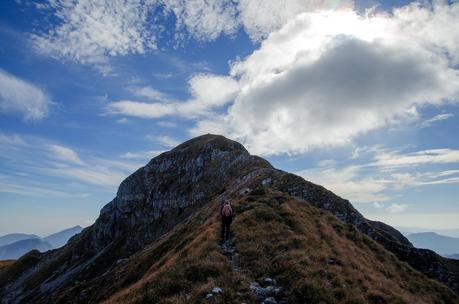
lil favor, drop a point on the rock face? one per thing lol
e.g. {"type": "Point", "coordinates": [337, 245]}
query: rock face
{"type": "Point", "coordinates": [164, 193]}
{"type": "Point", "coordinates": [169, 187]}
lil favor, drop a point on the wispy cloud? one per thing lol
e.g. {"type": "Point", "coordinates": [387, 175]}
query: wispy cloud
{"type": "Point", "coordinates": [431, 156]}
{"type": "Point", "coordinates": [397, 208]}
{"type": "Point", "coordinates": [378, 173]}
{"type": "Point", "coordinates": [65, 154]}
{"type": "Point", "coordinates": [149, 93]}
{"type": "Point", "coordinates": [20, 96]}
{"type": "Point", "coordinates": [142, 154]}
{"type": "Point", "coordinates": [90, 32]}
{"type": "Point", "coordinates": [40, 159]}
{"type": "Point", "coordinates": [208, 92]}
{"type": "Point", "coordinates": [349, 183]}
{"type": "Point", "coordinates": [95, 175]}
{"type": "Point", "coordinates": [164, 140]}
{"type": "Point", "coordinates": [428, 122]}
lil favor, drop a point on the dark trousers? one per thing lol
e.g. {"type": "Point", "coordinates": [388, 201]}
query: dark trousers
{"type": "Point", "coordinates": [226, 223]}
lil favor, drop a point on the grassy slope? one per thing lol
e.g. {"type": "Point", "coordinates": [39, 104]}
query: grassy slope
{"type": "Point", "coordinates": [314, 255]}
{"type": "Point", "coordinates": [6, 263]}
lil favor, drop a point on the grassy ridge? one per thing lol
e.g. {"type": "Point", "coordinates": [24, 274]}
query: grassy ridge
{"type": "Point", "coordinates": [6, 263]}
{"type": "Point", "coordinates": [315, 256]}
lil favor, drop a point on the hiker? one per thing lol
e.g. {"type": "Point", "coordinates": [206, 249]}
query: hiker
{"type": "Point", "coordinates": [226, 212]}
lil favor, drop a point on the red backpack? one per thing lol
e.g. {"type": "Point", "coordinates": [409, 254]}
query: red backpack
{"type": "Point", "coordinates": [227, 211]}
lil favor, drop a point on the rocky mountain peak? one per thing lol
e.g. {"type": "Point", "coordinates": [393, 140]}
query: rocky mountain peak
{"type": "Point", "coordinates": [169, 187]}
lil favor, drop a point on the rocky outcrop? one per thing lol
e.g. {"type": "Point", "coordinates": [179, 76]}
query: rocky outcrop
{"type": "Point", "coordinates": [165, 192]}
{"type": "Point", "coordinates": [169, 187]}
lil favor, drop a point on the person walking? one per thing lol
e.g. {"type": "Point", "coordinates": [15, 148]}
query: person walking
{"type": "Point", "coordinates": [226, 212]}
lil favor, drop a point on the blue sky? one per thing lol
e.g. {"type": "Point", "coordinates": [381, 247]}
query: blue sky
{"type": "Point", "coordinates": [361, 97]}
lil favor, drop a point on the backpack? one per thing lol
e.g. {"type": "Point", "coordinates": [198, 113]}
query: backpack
{"type": "Point", "coordinates": [227, 211]}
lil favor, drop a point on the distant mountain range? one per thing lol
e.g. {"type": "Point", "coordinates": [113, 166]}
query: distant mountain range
{"type": "Point", "coordinates": [14, 245]}
{"type": "Point", "coordinates": [59, 239]}
{"type": "Point", "coordinates": [14, 237]}
{"type": "Point", "coordinates": [443, 245]}
{"type": "Point", "coordinates": [446, 232]}
{"type": "Point", "coordinates": [17, 249]}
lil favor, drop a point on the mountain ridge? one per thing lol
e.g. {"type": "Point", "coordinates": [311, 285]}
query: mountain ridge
{"type": "Point", "coordinates": [173, 189]}
{"type": "Point", "coordinates": [443, 245]}
{"type": "Point", "coordinates": [14, 237]}
{"type": "Point", "coordinates": [17, 244]}
{"type": "Point", "coordinates": [17, 249]}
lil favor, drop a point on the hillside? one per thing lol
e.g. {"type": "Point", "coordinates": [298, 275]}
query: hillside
{"type": "Point", "coordinates": [441, 244]}
{"type": "Point", "coordinates": [157, 242]}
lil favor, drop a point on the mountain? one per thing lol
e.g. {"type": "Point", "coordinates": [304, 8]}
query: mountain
{"type": "Point", "coordinates": [157, 242]}
{"type": "Point", "coordinates": [454, 256]}
{"type": "Point", "coordinates": [59, 239]}
{"type": "Point", "coordinates": [14, 237]}
{"type": "Point", "coordinates": [441, 244]}
{"type": "Point", "coordinates": [17, 249]}
{"type": "Point", "coordinates": [445, 232]}
{"type": "Point", "coordinates": [17, 244]}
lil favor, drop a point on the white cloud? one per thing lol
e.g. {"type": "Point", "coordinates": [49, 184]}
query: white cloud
{"type": "Point", "coordinates": [378, 205]}
{"type": "Point", "coordinates": [17, 95]}
{"type": "Point", "coordinates": [327, 77]}
{"type": "Point", "coordinates": [376, 179]}
{"type": "Point", "coordinates": [436, 118]}
{"type": "Point", "coordinates": [12, 140]}
{"type": "Point", "coordinates": [122, 121]}
{"type": "Point", "coordinates": [65, 154]}
{"type": "Point", "coordinates": [165, 140]}
{"type": "Point", "coordinates": [397, 208]}
{"type": "Point", "coordinates": [30, 188]}
{"type": "Point", "coordinates": [208, 92]}
{"type": "Point", "coordinates": [37, 157]}
{"type": "Point", "coordinates": [431, 156]}
{"type": "Point", "coordinates": [203, 19]}
{"type": "Point", "coordinates": [90, 31]}
{"type": "Point", "coordinates": [260, 17]}
{"type": "Point", "coordinates": [142, 154]}
{"type": "Point", "coordinates": [149, 93]}
{"type": "Point", "coordinates": [348, 183]}
{"type": "Point", "coordinates": [141, 109]}
{"type": "Point", "coordinates": [94, 175]}
{"type": "Point", "coordinates": [428, 220]}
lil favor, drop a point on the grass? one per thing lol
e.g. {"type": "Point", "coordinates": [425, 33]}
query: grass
{"type": "Point", "coordinates": [317, 258]}
{"type": "Point", "coordinates": [6, 263]}
{"type": "Point", "coordinates": [320, 259]}
{"type": "Point", "coordinates": [188, 263]}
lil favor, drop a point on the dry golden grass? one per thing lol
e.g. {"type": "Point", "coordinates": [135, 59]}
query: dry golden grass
{"type": "Point", "coordinates": [321, 259]}
{"type": "Point", "coordinates": [315, 256]}
{"type": "Point", "coordinates": [6, 263]}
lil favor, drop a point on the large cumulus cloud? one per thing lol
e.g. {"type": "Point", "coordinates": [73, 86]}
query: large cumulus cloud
{"type": "Point", "coordinates": [326, 77]}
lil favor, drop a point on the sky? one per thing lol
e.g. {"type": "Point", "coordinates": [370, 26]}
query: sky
{"type": "Point", "coordinates": [358, 96]}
